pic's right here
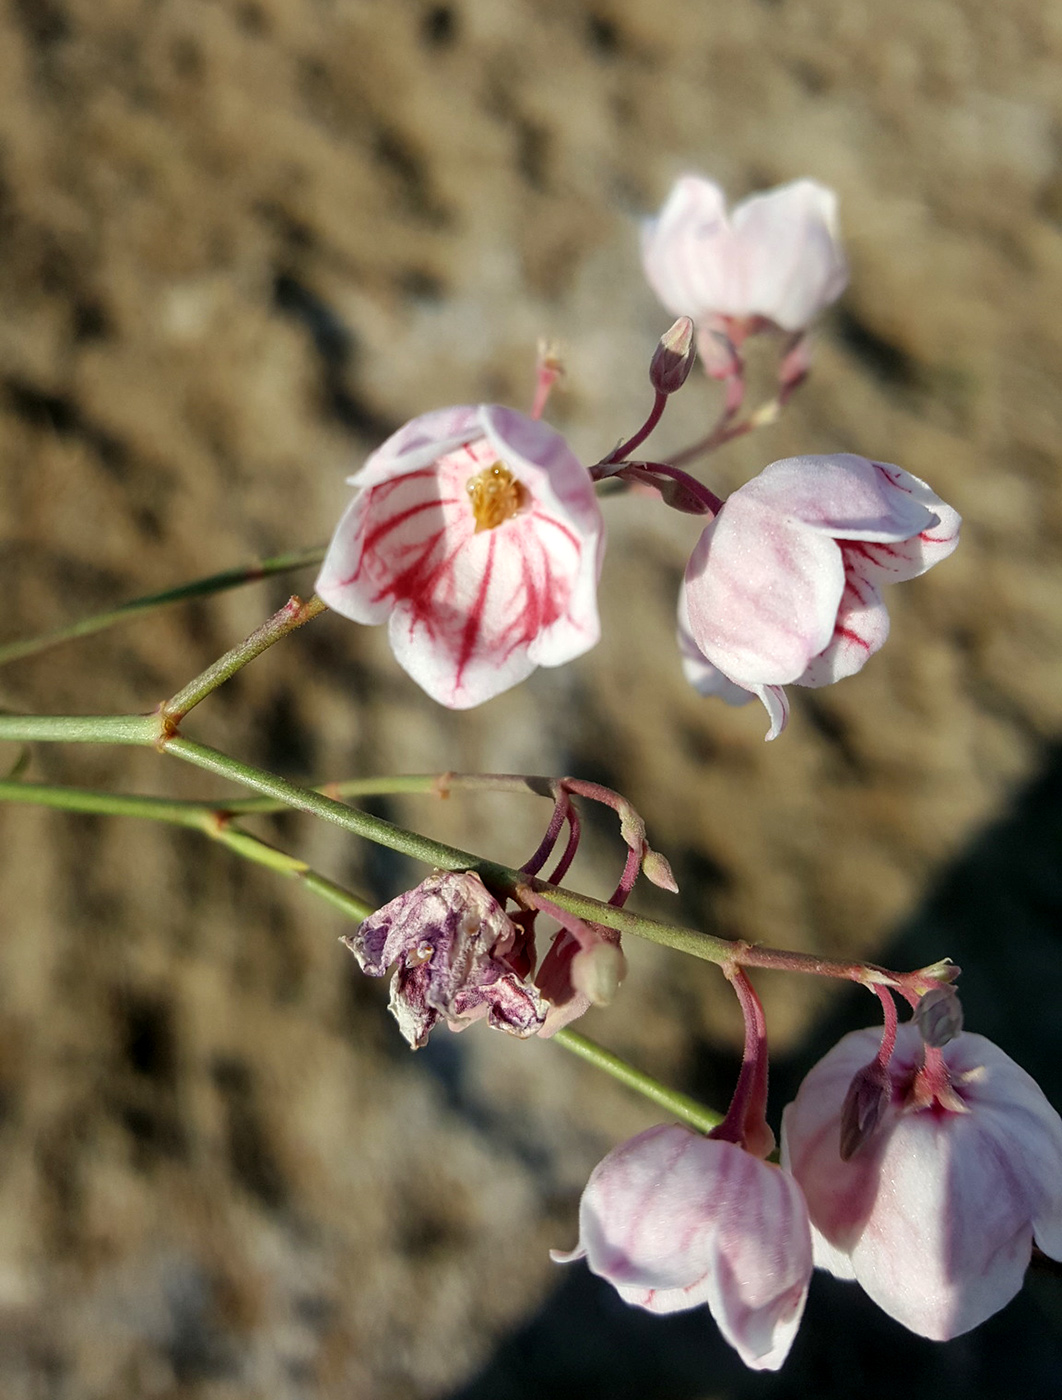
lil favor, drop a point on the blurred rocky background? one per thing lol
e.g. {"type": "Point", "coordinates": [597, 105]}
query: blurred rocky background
{"type": "Point", "coordinates": [241, 241]}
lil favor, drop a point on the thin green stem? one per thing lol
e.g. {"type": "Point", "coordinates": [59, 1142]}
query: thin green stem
{"type": "Point", "coordinates": [202, 818]}
{"type": "Point", "coordinates": [80, 729]}
{"type": "Point", "coordinates": [292, 615]}
{"type": "Point", "coordinates": [196, 816]}
{"type": "Point", "coordinates": [671, 1100]}
{"type": "Point", "coordinates": [144, 730]}
{"type": "Point", "coordinates": [198, 588]}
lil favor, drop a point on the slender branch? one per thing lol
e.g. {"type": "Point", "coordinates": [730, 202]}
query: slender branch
{"type": "Point", "coordinates": [625, 448]}
{"type": "Point", "coordinates": [292, 615]}
{"type": "Point", "coordinates": [80, 729]}
{"type": "Point", "coordinates": [726, 431]}
{"type": "Point", "coordinates": [143, 729]}
{"type": "Point", "coordinates": [196, 816]}
{"type": "Point", "coordinates": [680, 1105]}
{"type": "Point", "coordinates": [201, 818]}
{"type": "Point", "coordinates": [198, 588]}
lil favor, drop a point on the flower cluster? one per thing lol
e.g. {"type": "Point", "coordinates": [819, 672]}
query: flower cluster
{"type": "Point", "coordinates": [923, 1173]}
{"type": "Point", "coordinates": [924, 1164]}
{"type": "Point", "coordinates": [476, 534]}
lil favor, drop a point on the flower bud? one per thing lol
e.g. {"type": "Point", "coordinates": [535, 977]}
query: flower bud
{"type": "Point", "coordinates": [673, 358]}
{"type": "Point", "coordinates": [938, 1016]}
{"type": "Point", "coordinates": [597, 972]}
{"type": "Point", "coordinates": [867, 1099]}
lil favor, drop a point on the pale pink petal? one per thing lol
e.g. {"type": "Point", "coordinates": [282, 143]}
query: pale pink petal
{"type": "Point", "coordinates": [705, 678]}
{"type": "Point", "coordinates": [842, 495]}
{"type": "Point", "coordinates": [419, 443]}
{"type": "Point", "coordinates": [687, 251]}
{"type": "Point", "coordinates": [762, 593]}
{"type": "Point", "coordinates": [342, 583]}
{"type": "Point", "coordinates": [949, 1239]}
{"type": "Point", "coordinates": [673, 1220]}
{"type": "Point", "coordinates": [776, 703]}
{"type": "Point", "coordinates": [908, 558]}
{"type": "Point", "coordinates": [789, 253]}
{"type": "Point", "coordinates": [861, 627]}
{"type": "Point", "coordinates": [935, 1213]}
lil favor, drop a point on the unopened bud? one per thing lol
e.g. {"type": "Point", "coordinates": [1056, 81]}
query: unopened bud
{"type": "Point", "coordinates": [867, 1099]}
{"type": "Point", "coordinates": [673, 358]}
{"type": "Point", "coordinates": [938, 1016]}
{"type": "Point", "coordinates": [598, 971]}
{"type": "Point", "coordinates": [657, 868]}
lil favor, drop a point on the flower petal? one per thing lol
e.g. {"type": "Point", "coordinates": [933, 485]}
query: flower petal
{"type": "Point", "coordinates": [687, 250]}
{"type": "Point", "coordinates": [705, 678]}
{"type": "Point", "coordinates": [788, 252]}
{"type": "Point", "coordinates": [673, 1220]}
{"type": "Point", "coordinates": [861, 627]}
{"type": "Point", "coordinates": [842, 495]}
{"type": "Point", "coordinates": [762, 593]}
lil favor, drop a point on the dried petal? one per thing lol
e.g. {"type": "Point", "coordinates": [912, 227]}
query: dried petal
{"type": "Point", "coordinates": [454, 947]}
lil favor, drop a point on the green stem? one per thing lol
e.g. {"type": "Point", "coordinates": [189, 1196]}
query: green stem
{"type": "Point", "coordinates": [196, 816]}
{"type": "Point", "coordinates": [198, 588]}
{"type": "Point", "coordinates": [80, 729]}
{"type": "Point", "coordinates": [144, 730]}
{"type": "Point", "coordinates": [292, 615]}
{"type": "Point", "coordinates": [679, 1105]}
{"type": "Point", "coordinates": [202, 818]}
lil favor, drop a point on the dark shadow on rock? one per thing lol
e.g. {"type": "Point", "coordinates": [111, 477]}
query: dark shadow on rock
{"type": "Point", "coordinates": [997, 911]}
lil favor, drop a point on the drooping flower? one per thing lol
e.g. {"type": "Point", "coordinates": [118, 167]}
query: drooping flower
{"type": "Point", "coordinates": [775, 260]}
{"type": "Point", "coordinates": [476, 534]}
{"type": "Point", "coordinates": [784, 584]}
{"type": "Point", "coordinates": [458, 958]}
{"type": "Point", "coordinates": [936, 1212]}
{"type": "Point", "coordinates": [674, 1220]}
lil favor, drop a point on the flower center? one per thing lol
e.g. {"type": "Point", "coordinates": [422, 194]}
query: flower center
{"type": "Point", "coordinates": [496, 496]}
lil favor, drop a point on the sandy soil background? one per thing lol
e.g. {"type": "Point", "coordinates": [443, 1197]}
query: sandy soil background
{"type": "Point", "coordinates": [242, 240]}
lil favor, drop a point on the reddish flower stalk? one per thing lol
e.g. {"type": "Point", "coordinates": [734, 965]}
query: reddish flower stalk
{"type": "Point", "coordinates": [746, 1119]}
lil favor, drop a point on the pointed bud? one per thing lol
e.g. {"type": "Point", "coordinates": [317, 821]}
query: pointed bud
{"type": "Point", "coordinates": [868, 1097]}
{"type": "Point", "coordinates": [657, 868]}
{"type": "Point", "coordinates": [673, 358]}
{"type": "Point", "coordinates": [938, 1016]}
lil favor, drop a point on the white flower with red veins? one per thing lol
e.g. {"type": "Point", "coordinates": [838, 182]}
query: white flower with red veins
{"type": "Point", "coordinates": [477, 536]}
{"type": "Point", "coordinates": [775, 260]}
{"type": "Point", "coordinates": [674, 1220]}
{"type": "Point", "coordinates": [784, 585]}
{"type": "Point", "coordinates": [935, 1213]}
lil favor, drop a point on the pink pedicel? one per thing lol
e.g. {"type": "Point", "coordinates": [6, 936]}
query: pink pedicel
{"type": "Point", "coordinates": [784, 585]}
{"type": "Point", "coordinates": [775, 260]}
{"type": "Point", "coordinates": [936, 1213]}
{"type": "Point", "coordinates": [458, 958]}
{"type": "Point", "coordinates": [476, 536]}
{"type": "Point", "coordinates": [674, 1220]}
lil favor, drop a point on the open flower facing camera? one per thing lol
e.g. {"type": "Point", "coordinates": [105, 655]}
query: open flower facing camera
{"type": "Point", "coordinates": [477, 537]}
{"type": "Point", "coordinates": [925, 1164]}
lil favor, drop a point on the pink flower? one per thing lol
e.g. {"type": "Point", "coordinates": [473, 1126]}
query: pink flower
{"type": "Point", "coordinates": [673, 1220]}
{"type": "Point", "coordinates": [784, 584]}
{"type": "Point", "coordinates": [936, 1213]}
{"type": "Point", "coordinates": [477, 535]}
{"type": "Point", "coordinates": [775, 259]}
{"type": "Point", "coordinates": [459, 958]}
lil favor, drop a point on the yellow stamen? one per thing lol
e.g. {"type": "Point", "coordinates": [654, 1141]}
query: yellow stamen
{"type": "Point", "coordinates": [496, 496]}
